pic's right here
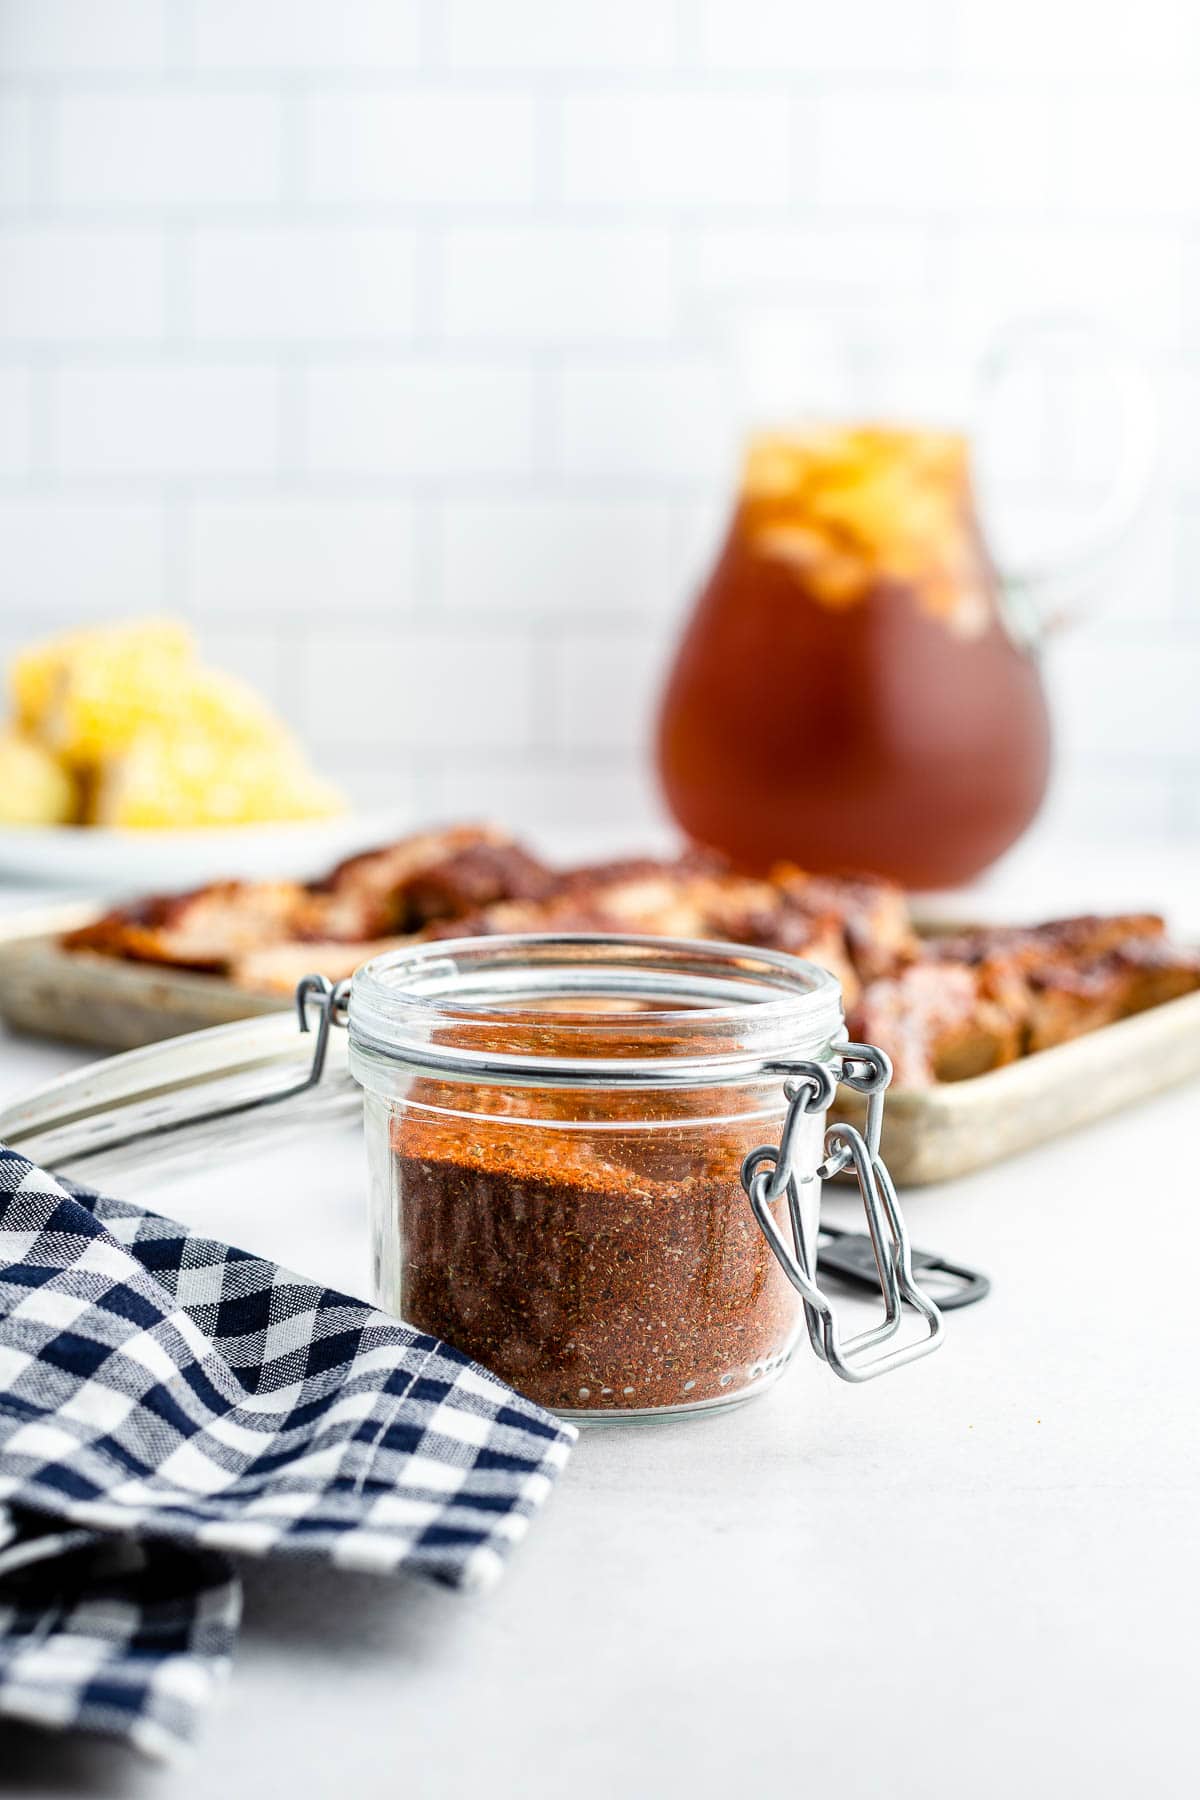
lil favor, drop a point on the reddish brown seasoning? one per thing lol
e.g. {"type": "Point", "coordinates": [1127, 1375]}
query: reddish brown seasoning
{"type": "Point", "coordinates": [594, 1269]}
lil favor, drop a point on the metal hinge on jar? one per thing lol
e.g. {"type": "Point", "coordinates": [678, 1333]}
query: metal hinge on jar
{"type": "Point", "coordinates": [770, 1174]}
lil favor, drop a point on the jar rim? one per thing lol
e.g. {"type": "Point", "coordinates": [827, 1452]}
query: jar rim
{"type": "Point", "coordinates": [705, 1012]}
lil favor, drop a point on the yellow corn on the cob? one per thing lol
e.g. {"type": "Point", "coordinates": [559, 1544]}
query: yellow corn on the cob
{"type": "Point", "coordinates": [130, 658]}
{"type": "Point", "coordinates": [96, 712]}
{"type": "Point", "coordinates": [183, 777]}
{"type": "Point", "coordinates": [154, 737]}
{"type": "Point", "coordinates": [34, 788]}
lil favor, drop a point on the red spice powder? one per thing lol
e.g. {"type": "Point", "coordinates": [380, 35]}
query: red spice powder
{"type": "Point", "coordinates": [595, 1270]}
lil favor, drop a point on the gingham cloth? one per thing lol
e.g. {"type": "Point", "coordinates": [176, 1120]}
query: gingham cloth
{"type": "Point", "coordinates": [164, 1400]}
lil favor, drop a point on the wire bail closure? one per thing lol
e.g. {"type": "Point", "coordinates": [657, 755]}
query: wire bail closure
{"type": "Point", "coordinates": [769, 1174]}
{"type": "Point", "coordinates": [317, 999]}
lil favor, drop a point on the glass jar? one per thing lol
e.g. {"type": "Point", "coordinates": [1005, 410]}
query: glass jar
{"type": "Point", "coordinates": [587, 1155]}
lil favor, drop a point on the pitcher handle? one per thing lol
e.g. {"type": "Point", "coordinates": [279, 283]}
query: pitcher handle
{"type": "Point", "coordinates": [1065, 567]}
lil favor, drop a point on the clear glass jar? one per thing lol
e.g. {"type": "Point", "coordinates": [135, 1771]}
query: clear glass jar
{"type": "Point", "coordinates": [595, 1161]}
{"type": "Point", "coordinates": [556, 1132]}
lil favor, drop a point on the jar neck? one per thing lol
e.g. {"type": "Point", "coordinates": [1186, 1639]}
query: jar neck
{"type": "Point", "coordinates": [581, 1010]}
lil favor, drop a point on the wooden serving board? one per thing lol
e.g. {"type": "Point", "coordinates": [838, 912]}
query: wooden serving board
{"type": "Point", "coordinates": [933, 1133]}
{"type": "Point", "coordinates": [930, 1134]}
{"type": "Point", "coordinates": [89, 999]}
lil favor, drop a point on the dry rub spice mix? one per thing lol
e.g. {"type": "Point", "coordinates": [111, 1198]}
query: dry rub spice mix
{"type": "Point", "coordinates": [594, 1267]}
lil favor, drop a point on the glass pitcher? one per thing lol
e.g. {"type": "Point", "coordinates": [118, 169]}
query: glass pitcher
{"type": "Point", "coordinates": [858, 686]}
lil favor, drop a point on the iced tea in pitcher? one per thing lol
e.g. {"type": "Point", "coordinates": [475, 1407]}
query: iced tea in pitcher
{"type": "Point", "coordinates": [848, 693]}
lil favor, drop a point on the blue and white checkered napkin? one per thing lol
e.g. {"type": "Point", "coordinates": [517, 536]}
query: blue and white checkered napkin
{"type": "Point", "coordinates": [164, 1400]}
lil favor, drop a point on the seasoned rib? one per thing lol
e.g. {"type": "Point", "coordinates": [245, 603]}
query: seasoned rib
{"type": "Point", "coordinates": [758, 913]}
{"type": "Point", "coordinates": [937, 1023]}
{"type": "Point", "coordinates": [203, 929]}
{"type": "Point", "coordinates": [979, 998]}
{"type": "Point", "coordinates": [875, 918]}
{"type": "Point", "coordinates": [478, 875]}
{"type": "Point", "coordinates": [1065, 1000]}
{"type": "Point", "coordinates": [950, 1007]}
{"type": "Point", "coordinates": [1155, 971]}
{"type": "Point", "coordinates": [277, 968]}
{"type": "Point", "coordinates": [696, 896]}
{"type": "Point", "coordinates": [433, 875]}
{"type": "Point", "coordinates": [1085, 936]}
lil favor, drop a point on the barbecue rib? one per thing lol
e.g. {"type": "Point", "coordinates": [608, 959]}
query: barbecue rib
{"type": "Point", "coordinates": [945, 1008]}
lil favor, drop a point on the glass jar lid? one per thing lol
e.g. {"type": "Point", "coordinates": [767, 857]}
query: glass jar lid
{"type": "Point", "coordinates": [577, 1009]}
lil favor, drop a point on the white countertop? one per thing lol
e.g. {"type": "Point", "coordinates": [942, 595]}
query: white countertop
{"type": "Point", "coordinates": [975, 1577]}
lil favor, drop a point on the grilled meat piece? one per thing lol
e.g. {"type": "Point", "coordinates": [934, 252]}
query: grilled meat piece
{"type": "Point", "coordinates": [430, 876]}
{"type": "Point", "coordinates": [561, 912]}
{"type": "Point", "coordinates": [979, 998]}
{"type": "Point", "coordinates": [937, 1023]}
{"type": "Point", "coordinates": [203, 929]}
{"type": "Point", "coordinates": [478, 875]}
{"type": "Point", "coordinates": [874, 913]}
{"type": "Point", "coordinates": [946, 1008]}
{"type": "Point", "coordinates": [278, 968]}
{"type": "Point", "coordinates": [1067, 1000]}
{"type": "Point", "coordinates": [1081, 938]}
{"type": "Point", "coordinates": [696, 896]}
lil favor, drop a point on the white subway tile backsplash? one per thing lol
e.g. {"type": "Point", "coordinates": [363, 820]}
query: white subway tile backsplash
{"type": "Point", "coordinates": [298, 282]}
{"type": "Point", "coordinates": [702, 149]}
{"type": "Point", "coordinates": [538, 35]}
{"type": "Point", "coordinates": [819, 260]}
{"type": "Point", "coordinates": [1098, 800]}
{"type": "Point", "coordinates": [855, 36]}
{"type": "Point", "coordinates": [16, 421]}
{"type": "Point", "coordinates": [1139, 585]}
{"type": "Point", "coordinates": [1131, 280]}
{"type": "Point", "coordinates": [1183, 785]}
{"type": "Point", "coordinates": [1095, 170]}
{"type": "Point", "coordinates": [415, 340]}
{"type": "Point", "coordinates": [666, 421]}
{"type": "Point", "coordinates": [1184, 586]}
{"type": "Point", "coordinates": [56, 37]}
{"type": "Point", "coordinates": [137, 150]}
{"type": "Point", "coordinates": [576, 803]}
{"type": "Point", "coordinates": [301, 558]}
{"type": "Point", "coordinates": [418, 688]}
{"type": "Point", "coordinates": [1127, 697]}
{"type": "Point", "coordinates": [926, 150]}
{"type": "Point", "coordinates": [62, 282]}
{"type": "Point", "coordinates": [701, 526]}
{"type": "Point", "coordinates": [558, 556]}
{"type": "Point", "coordinates": [271, 36]}
{"type": "Point", "coordinates": [815, 316]}
{"type": "Point", "coordinates": [420, 147]}
{"type": "Point", "coordinates": [1180, 416]}
{"type": "Point", "coordinates": [558, 284]}
{"type": "Point", "coordinates": [1069, 42]}
{"type": "Point", "coordinates": [17, 119]}
{"type": "Point", "coordinates": [419, 418]}
{"type": "Point", "coordinates": [388, 786]}
{"type": "Point", "coordinates": [166, 419]}
{"type": "Point", "coordinates": [609, 686]}
{"type": "Point", "coordinates": [259, 656]}
{"type": "Point", "coordinates": [67, 558]}
{"type": "Point", "coordinates": [1191, 292]}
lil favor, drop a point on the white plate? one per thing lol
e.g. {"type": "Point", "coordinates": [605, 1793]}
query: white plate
{"type": "Point", "coordinates": [104, 861]}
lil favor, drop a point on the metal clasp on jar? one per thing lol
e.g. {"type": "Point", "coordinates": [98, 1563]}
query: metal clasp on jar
{"type": "Point", "coordinates": [770, 1174]}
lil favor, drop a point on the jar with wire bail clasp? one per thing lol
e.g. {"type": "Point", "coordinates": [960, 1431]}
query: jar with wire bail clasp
{"type": "Point", "coordinates": [595, 1165]}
